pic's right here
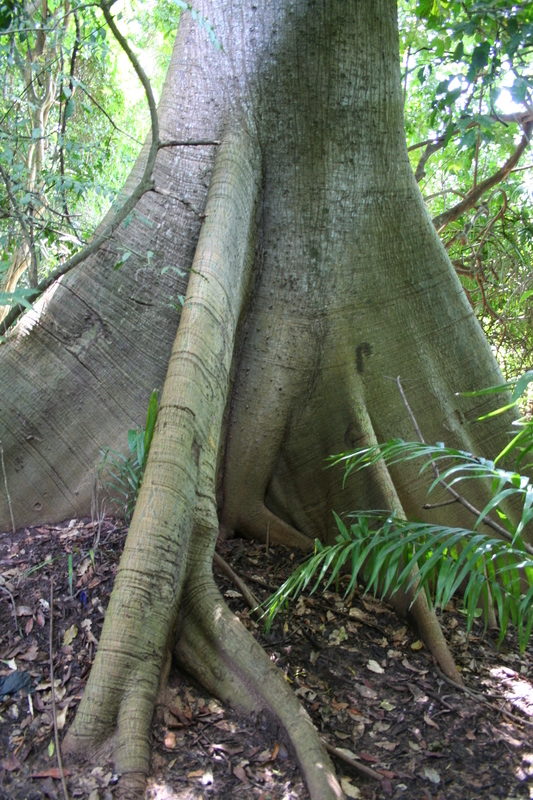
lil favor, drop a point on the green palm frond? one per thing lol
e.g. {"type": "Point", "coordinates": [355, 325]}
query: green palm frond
{"type": "Point", "coordinates": [390, 554]}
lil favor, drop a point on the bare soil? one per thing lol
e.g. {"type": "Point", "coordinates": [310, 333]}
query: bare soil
{"type": "Point", "coordinates": [371, 688]}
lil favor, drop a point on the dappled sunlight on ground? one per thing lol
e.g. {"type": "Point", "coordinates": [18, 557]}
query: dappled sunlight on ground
{"type": "Point", "coordinates": [516, 689]}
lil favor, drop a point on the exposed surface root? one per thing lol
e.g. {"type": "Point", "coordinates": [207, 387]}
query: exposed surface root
{"type": "Point", "coordinates": [214, 646]}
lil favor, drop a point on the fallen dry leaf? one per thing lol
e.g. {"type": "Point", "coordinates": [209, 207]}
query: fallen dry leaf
{"type": "Point", "coordinates": [70, 634]}
{"type": "Point", "coordinates": [432, 775]}
{"type": "Point", "coordinates": [418, 645]}
{"type": "Point", "coordinates": [386, 745]}
{"type": "Point", "coordinates": [429, 721]}
{"type": "Point", "coordinates": [53, 772]}
{"type": "Point", "coordinates": [170, 741]}
{"type": "Point", "coordinates": [30, 654]}
{"type": "Point", "coordinates": [197, 773]}
{"type": "Point", "coordinates": [239, 773]}
{"type": "Point", "coordinates": [62, 718]}
{"type": "Point", "coordinates": [10, 763]}
{"type": "Point", "coordinates": [349, 789]}
{"type": "Point", "coordinates": [373, 666]}
{"type": "Point", "coordinates": [364, 691]}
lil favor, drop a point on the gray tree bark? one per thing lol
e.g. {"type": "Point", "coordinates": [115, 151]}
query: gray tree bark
{"type": "Point", "coordinates": [317, 276]}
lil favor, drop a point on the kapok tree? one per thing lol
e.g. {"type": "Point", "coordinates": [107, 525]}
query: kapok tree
{"type": "Point", "coordinates": [315, 275]}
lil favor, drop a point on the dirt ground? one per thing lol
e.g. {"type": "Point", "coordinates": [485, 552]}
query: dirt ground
{"type": "Point", "coordinates": [367, 681]}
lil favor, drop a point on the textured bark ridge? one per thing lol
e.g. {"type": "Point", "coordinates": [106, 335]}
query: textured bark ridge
{"type": "Point", "coordinates": [317, 275]}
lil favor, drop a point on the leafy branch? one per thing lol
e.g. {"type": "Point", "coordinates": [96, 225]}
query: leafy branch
{"type": "Point", "coordinates": [145, 184]}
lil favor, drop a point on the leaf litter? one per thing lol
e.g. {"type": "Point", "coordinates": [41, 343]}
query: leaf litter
{"type": "Point", "coordinates": [362, 674]}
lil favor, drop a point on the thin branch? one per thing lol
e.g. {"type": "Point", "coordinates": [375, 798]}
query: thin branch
{"type": "Point", "coordinates": [185, 143]}
{"type": "Point", "coordinates": [368, 772]}
{"type": "Point", "coordinates": [107, 116]}
{"type": "Point", "coordinates": [248, 595]}
{"type": "Point", "coordinates": [428, 152]}
{"type": "Point", "coordinates": [19, 216]}
{"type": "Point", "coordinates": [444, 219]}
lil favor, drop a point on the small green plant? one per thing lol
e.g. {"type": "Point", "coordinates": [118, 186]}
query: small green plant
{"type": "Point", "coordinates": [122, 475]}
{"type": "Point", "coordinates": [390, 553]}
{"type": "Point", "coordinates": [70, 573]}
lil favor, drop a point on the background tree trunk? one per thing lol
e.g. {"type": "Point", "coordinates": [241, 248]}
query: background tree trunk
{"type": "Point", "coordinates": [350, 286]}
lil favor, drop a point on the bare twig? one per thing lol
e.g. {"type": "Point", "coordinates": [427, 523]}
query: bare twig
{"type": "Point", "coordinates": [190, 143]}
{"type": "Point", "coordinates": [56, 734]}
{"type": "Point", "coordinates": [248, 595]}
{"type": "Point", "coordinates": [361, 768]}
{"type": "Point", "coordinates": [7, 489]}
{"type": "Point", "coordinates": [481, 699]}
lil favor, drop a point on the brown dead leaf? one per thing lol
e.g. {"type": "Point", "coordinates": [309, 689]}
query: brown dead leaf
{"type": "Point", "coordinates": [170, 742]}
{"type": "Point", "coordinates": [338, 706]}
{"type": "Point", "coordinates": [239, 773]}
{"type": "Point", "coordinates": [386, 745]}
{"type": "Point", "coordinates": [28, 626]}
{"type": "Point", "coordinates": [365, 691]}
{"type": "Point", "coordinates": [61, 718]}
{"type": "Point", "coordinates": [10, 763]}
{"type": "Point", "coordinates": [369, 757]}
{"type": "Point", "coordinates": [429, 721]}
{"type": "Point", "coordinates": [24, 611]}
{"type": "Point", "coordinates": [30, 654]}
{"type": "Point", "coordinates": [40, 618]}
{"type": "Point", "coordinates": [53, 772]}
{"type": "Point", "coordinates": [197, 773]}
{"type": "Point", "coordinates": [409, 666]}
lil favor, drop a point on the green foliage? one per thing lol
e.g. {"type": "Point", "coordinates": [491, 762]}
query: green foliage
{"type": "Point", "coordinates": [72, 120]}
{"type": "Point", "coordinates": [468, 78]}
{"type": "Point", "coordinates": [391, 553]}
{"type": "Point", "coordinates": [123, 475]}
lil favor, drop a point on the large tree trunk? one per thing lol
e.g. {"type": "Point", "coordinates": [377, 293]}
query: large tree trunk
{"type": "Point", "coordinates": [317, 276]}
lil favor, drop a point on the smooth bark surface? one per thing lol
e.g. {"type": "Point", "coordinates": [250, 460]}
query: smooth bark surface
{"type": "Point", "coordinates": [317, 278]}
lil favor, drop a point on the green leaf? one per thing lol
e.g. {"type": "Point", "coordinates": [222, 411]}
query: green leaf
{"type": "Point", "coordinates": [70, 108]}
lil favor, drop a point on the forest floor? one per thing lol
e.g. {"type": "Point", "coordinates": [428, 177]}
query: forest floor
{"type": "Point", "coordinates": [369, 685]}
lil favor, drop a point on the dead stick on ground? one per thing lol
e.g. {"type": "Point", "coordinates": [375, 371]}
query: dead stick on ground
{"type": "Point", "coordinates": [248, 595]}
{"type": "Point", "coordinates": [480, 698]}
{"type": "Point", "coordinates": [361, 768]}
{"type": "Point", "coordinates": [56, 735]}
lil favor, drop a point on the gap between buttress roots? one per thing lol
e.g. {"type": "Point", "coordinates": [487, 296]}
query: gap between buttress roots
{"type": "Point", "coordinates": [216, 649]}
